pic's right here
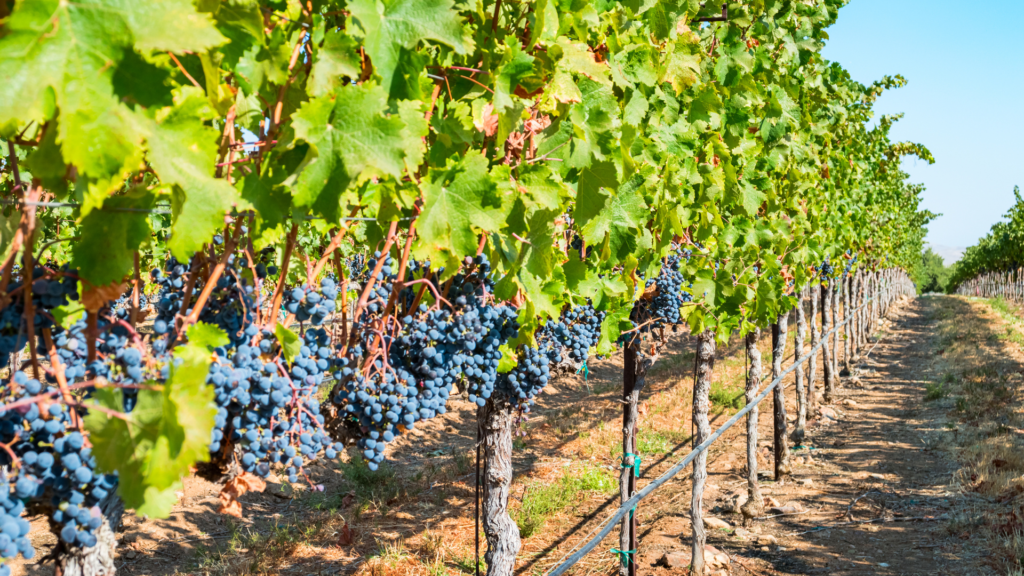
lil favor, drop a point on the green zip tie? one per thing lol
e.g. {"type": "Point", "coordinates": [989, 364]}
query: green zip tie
{"type": "Point", "coordinates": [623, 555]}
{"type": "Point", "coordinates": [585, 370]}
{"type": "Point", "coordinates": [635, 466]}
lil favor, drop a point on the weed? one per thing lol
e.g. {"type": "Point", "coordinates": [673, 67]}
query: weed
{"type": "Point", "coordinates": [544, 500]}
{"type": "Point", "coordinates": [935, 391]}
{"type": "Point", "coordinates": [727, 397]}
{"type": "Point", "coordinates": [371, 486]}
{"type": "Point", "coordinates": [468, 564]}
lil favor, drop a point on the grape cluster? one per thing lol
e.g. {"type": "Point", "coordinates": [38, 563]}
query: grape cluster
{"type": "Point", "coordinates": [54, 466]}
{"type": "Point", "coordinates": [311, 305]}
{"type": "Point", "coordinates": [577, 331]}
{"type": "Point", "coordinates": [122, 307]}
{"type": "Point", "coordinates": [48, 292]}
{"type": "Point", "coordinates": [403, 370]}
{"type": "Point", "coordinates": [826, 270]}
{"type": "Point", "coordinates": [270, 408]}
{"type": "Point", "coordinates": [13, 530]}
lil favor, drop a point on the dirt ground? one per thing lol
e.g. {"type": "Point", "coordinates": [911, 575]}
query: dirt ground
{"type": "Point", "coordinates": [915, 470]}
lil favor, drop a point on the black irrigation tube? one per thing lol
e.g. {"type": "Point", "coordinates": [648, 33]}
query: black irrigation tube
{"type": "Point", "coordinates": [629, 504]}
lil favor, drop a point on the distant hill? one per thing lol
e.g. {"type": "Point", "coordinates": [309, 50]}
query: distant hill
{"type": "Point", "coordinates": [949, 254]}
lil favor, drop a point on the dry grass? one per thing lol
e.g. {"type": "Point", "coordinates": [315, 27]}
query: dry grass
{"type": "Point", "coordinates": [983, 379]}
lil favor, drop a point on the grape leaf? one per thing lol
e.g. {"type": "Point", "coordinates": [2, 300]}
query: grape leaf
{"type": "Point", "coordinates": [183, 152]}
{"type": "Point", "coordinates": [109, 237]}
{"type": "Point", "coordinates": [515, 66]}
{"type": "Point", "coordinates": [456, 201]}
{"type": "Point", "coordinates": [63, 55]}
{"type": "Point", "coordinates": [594, 188]}
{"type": "Point", "coordinates": [337, 58]}
{"type": "Point", "coordinates": [290, 343]}
{"type": "Point", "coordinates": [153, 447]}
{"type": "Point", "coordinates": [620, 220]}
{"type": "Point", "coordinates": [206, 335]}
{"type": "Point", "coordinates": [351, 137]}
{"type": "Point", "coordinates": [390, 25]}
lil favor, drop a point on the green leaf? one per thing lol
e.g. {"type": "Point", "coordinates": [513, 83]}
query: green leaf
{"type": "Point", "coordinates": [337, 58]}
{"type": "Point", "coordinates": [682, 65]}
{"type": "Point", "coordinates": [577, 58]}
{"type": "Point", "coordinates": [508, 360]}
{"type": "Point", "coordinates": [351, 137]}
{"type": "Point", "coordinates": [704, 287]}
{"type": "Point", "coordinates": [68, 314]}
{"type": "Point", "coordinates": [290, 342]}
{"type": "Point", "coordinates": [390, 25]}
{"type": "Point", "coordinates": [621, 221]}
{"type": "Point", "coordinates": [515, 65]}
{"type": "Point", "coordinates": [595, 186]}
{"type": "Point", "coordinates": [206, 335]}
{"type": "Point", "coordinates": [47, 164]}
{"type": "Point", "coordinates": [153, 447]}
{"type": "Point", "coordinates": [109, 237]}
{"type": "Point", "coordinates": [183, 151]}
{"type": "Point", "coordinates": [63, 55]}
{"type": "Point", "coordinates": [457, 201]}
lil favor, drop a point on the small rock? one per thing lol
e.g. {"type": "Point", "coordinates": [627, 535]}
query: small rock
{"type": "Point", "coordinates": [876, 476]}
{"type": "Point", "coordinates": [131, 555]}
{"type": "Point", "coordinates": [767, 539]}
{"type": "Point", "coordinates": [736, 501]}
{"type": "Point", "coordinates": [404, 516]}
{"type": "Point", "coordinates": [765, 549]}
{"type": "Point", "coordinates": [129, 538]}
{"type": "Point", "coordinates": [715, 558]}
{"type": "Point", "coordinates": [805, 481]}
{"type": "Point", "coordinates": [850, 403]}
{"type": "Point", "coordinates": [675, 560]}
{"type": "Point", "coordinates": [717, 524]}
{"type": "Point", "coordinates": [743, 534]}
{"type": "Point", "coordinates": [827, 412]}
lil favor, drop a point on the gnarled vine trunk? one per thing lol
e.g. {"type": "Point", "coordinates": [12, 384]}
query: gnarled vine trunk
{"type": "Point", "coordinates": [754, 506]}
{"type": "Point", "coordinates": [701, 403]}
{"type": "Point", "coordinates": [801, 391]}
{"type": "Point", "coordinates": [634, 374]}
{"type": "Point", "coordinates": [812, 362]}
{"type": "Point", "coordinates": [782, 467]}
{"type": "Point", "coordinates": [826, 356]}
{"type": "Point", "coordinates": [495, 419]}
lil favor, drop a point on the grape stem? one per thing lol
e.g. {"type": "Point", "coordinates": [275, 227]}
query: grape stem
{"type": "Point", "coordinates": [218, 270]}
{"type": "Point", "coordinates": [58, 372]}
{"type": "Point", "coordinates": [275, 303]}
{"type": "Point", "coordinates": [28, 276]}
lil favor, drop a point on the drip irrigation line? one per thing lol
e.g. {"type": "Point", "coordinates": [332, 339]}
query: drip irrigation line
{"type": "Point", "coordinates": [614, 519]}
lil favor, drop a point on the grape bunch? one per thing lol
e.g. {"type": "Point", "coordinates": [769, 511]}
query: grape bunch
{"type": "Point", "coordinates": [311, 305]}
{"type": "Point", "coordinates": [270, 408]}
{"type": "Point", "coordinates": [403, 367]}
{"type": "Point", "coordinates": [577, 331]}
{"type": "Point", "coordinates": [122, 307]}
{"type": "Point", "coordinates": [50, 289]}
{"type": "Point", "coordinates": [13, 530]}
{"type": "Point", "coordinates": [54, 466]}
{"type": "Point", "coordinates": [826, 270]}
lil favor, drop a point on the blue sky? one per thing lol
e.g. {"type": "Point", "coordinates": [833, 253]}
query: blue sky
{"type": "Point", "coordinates": [964, 63]}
